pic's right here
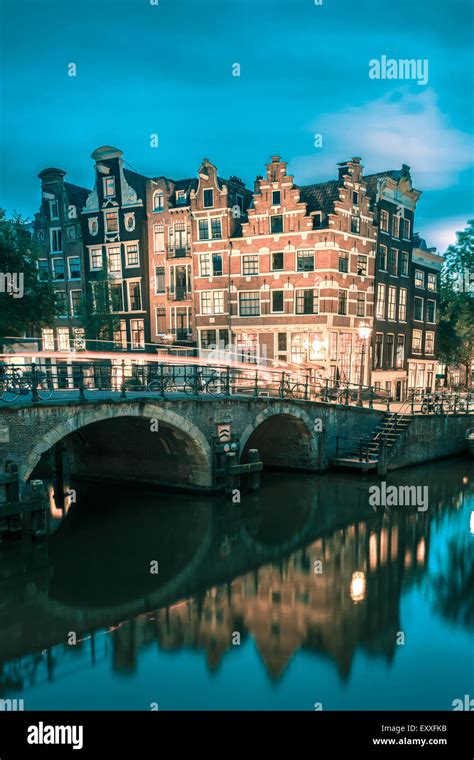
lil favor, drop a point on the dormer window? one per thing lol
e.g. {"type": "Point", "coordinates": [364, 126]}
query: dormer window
{"type": "Point", "coordinates": [158, 202]}
{"type": "Point", "coordinates": [317, 220]}
{"type": "Point", "coordinates": [276, 198]}
{"type": "Point", "coordinates": [208, 198]}
{"type": "Point", "coordinates": [54, 209]}
{"type": "Point", "coordinates": [109, 187]}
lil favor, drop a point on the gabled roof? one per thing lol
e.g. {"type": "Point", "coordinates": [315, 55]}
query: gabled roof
{"type": "Point", "coordinates": [76, 194]}
{"type": "Point", "coordinates": [137, 181]}
{"type": "Point", "coordinates": [372, 180]}
{"type": "Point", "coordinates": [321, 196]}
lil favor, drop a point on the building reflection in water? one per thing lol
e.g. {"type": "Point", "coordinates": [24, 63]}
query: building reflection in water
{"type": "Point", "coordinates": [283, 604]}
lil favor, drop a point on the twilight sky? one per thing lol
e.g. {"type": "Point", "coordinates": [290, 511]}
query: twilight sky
{"type": "Point", "coordinates": [166, 69]}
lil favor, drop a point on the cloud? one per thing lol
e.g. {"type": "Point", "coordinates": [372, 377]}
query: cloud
{"type": "Point", "coordinates": [400, 128]}
{"type": "Point", "coordinates": [442, 234]}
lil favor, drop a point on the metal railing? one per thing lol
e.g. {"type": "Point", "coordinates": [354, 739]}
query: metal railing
{"type": "Point", "coordinates": [89, 376]}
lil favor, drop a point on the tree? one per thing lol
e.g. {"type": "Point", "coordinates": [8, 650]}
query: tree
{"type": "Point", "coordinates": [456, 323]}
{"type": "Point", "coordinates": [459, 259]}
{"type": "Point", "coordinates": [26, 302]}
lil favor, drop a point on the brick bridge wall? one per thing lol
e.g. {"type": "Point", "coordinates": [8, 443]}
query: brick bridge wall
{"type": "Point", "coordinates": [116, 438]}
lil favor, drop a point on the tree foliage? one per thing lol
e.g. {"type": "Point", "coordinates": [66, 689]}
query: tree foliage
{"type": "Point", "coordinates": [35, 307]}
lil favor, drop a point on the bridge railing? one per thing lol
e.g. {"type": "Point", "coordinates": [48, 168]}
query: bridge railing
{"type": "Point", "coordinates": [91, 378]}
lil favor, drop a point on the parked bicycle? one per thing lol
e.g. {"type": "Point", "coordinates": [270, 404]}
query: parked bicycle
{"type": "Point", "coordinates": [198, 383]}
{"type": "Point", "coordinates": [292, 388]}
{"type": "Point", "coordinates": [18, 383]}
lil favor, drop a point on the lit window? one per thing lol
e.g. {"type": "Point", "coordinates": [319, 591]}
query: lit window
{"type": "Point", "coordinates": [111, 221]}
{"type": "Point", "coordinates": [63, 339]}
{"type": "Point", "coordinates": [384, 221]}
{"type": "Point", "coordinates": [362, 265]}
{"type": "Point", "coordinates": [134, 296]}
{"type": "Point", "coordinates": [416, 341]}
{"type": "Point", "coordinates": [48, 339]}
{"type": "Point", "coordinates": [429, 342]}
{"type": "Point", "coordinates": [95, 257]}
{"type": "Point", "coordinates": [432, 282]}
{"type": "Point", "coordinates": [114, 260]}
{"type": "Point", "coordinates": [306, 301]}
{"type": "Point", "coordinates": [380, 306]}
{"type": "Point", "coordinates": [392, 302]}
{"type": "Point", "coordinates": [419, 279]}
{"type": "Point", "coordinates": [109, 187]}
{"type": "Point", "coordinates": [402, 305]}
{"type": "Point", "coordinates": [131, 254]}
{"type": "Point", "coordinates": [137, 333]}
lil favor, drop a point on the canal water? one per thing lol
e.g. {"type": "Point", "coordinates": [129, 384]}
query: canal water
{"type": "Point", "coordinates": [300, 597]}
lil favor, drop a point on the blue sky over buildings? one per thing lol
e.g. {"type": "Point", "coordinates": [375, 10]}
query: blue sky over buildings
{"type": "Point", "coordinates": [167, 69]}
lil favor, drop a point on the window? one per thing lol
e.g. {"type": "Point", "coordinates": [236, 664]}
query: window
{"type": "Point", "coordinates": [76, 301]}
{"type": "Point", "coordinates": [355, 198]}
{"type": "Point", "coordinates": [431, 311]}
{"type": "Point", "coordinates": [160, 320]}
{"type": "Point", "coordinates": [137, 333]}
{"type": "Point", "coordinates": [277, 301]}
{"type": "Point", "coordinates": [282, 346]}
{"type": "Point", "coordinates": [305, 261]}
{"type": "Point", "coordinates": [400, 358]}
{"type": "Point", "coordinates": [203, 229]}
{"type": "Point", "coordinates": [429, 342]}
{"type": "Point", "coordinates": [418, 309]}
{"type": "Point", "coordinates": [395, 226]}
{"type": "Point", "coordinates": [384, 220]}
{"type": "Point", "coordinates": [360, 308]}
{"type": "Point", "coordinates": [205, 265]}
{"type": "Point", "coordinates": [276, 198]}
{"type": "Point", "coordinates": [306, 301]}
{"type": "Point", "coordinates": [383, 257]}
{"type": "Point", "coordinates": [217, 264]}
{"type": "Point", "coordinates": [63, 339]}
{"type": "Point", "coordinates": [48, 339]}
{"type": "Point", "coordinates": [355, 225]}
{"type": "Point", "coordinates": [249, 304]}
{"type": "Point", "coordinates": [60, 301]}
{"type": "Point", "coordinates": [56, 239]}
{"type": "Point", "coordinates": [120, 335]}
{"type": "Point", "coordinates": [43, 269]}
{"type": "Point", "coordinates": [393, 261]}
{"type": "Point", "coordinates": [114, 263]}
{"type": "Point", "coordinates": [402, 305]}
{"type": "Point", "coordinates": [404, 260]}
{"type": "Point", "coordinates": [208, 198]}
{"type": "Point", "coordinates": [390, 350]}
{"type": "Point", "coordinates": [250, 264]}
{"type": "Point", "coordinates": [158, 201]}
{"type": "Point", "coordinates": [380, 306]}
{"type": "Point", "coordinates": [116, 296]}
{"type": "Point", "coordinates": [416, 341]}
{"type": "Point", "coordinates": [159, 280]}
{"type": "Point", "coordinates": [180, 196]}
{"type": "Point", "coordinates": [134, 296]}
{"type": "Point", "coordinates": [95, 258]}
{"type": "Point", "coordinates": [158, 238]}
{"type": "Point", "coordinates": [212, 302]}
{"type": "Point", "coordinates": [317, 220]}
{"type": "Point", "coordinates": [54, 209]}
{"type": "Point", "coordinates": [131, 255]}
{"type": "Point", "coordinates": [58, 269]}
{"type": "Point", "coordinates": [343, 262]}
{"type": "Point", "coordinates": [74, 266]}
{"type": "Point", "coordinates": [111, 221]}
{"type": "Point", "coordinates": [392, 302]}
{"type": "Point", "coordinates": [378, 350]}
{"type": "Point", "coordinates": [277, 261]}
{"type": "Point", "coordinates": [216, 229]}
{"type": "Point", "coordinates": [342, 302]}
{"type": "Point", "coordinates": [432, 283]}
{"type": "Point", "coordinates": [419, 279]}
{"type": "Point", "coordinates": [276, 224]}
{"type": "Point", "coordinates": [406, 228]}
{"type": "Point", "coordinates": [362, 265]}
{"type": "Point", "coordinates": [109, 187]}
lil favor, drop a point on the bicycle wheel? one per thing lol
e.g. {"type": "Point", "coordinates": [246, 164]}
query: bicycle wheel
{"type": "Point", "coordinates": [154, 386]}
{"type": "Point", "coordinates": [438, 408]}
{"type": "Point", "coordinates": [10, 393]}
{"type": "Point", "coordinates": [45, 389]}
{"type": "Point", "coordinates": [214, 385]}
{"type": "Point", "coordinates": [424, 408]}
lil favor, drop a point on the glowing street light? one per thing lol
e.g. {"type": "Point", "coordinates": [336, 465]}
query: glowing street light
{"type": "Point", "coordinates": [357, 587]}
{"type": "Point", "coordinates": [364, 333]}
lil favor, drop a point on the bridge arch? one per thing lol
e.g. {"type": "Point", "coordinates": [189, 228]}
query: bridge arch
{"type": "Point", "coordinates": [192, 442]}
{"type": "Point", "coordinates": [285, 437]}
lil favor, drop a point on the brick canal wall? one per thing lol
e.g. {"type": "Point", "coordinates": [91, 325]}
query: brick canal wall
{"type": "Point", "coordinates": [430, 437]}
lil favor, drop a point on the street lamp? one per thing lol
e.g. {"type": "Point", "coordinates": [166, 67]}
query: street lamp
{"type": "Point", "coordinates": [364, 332]}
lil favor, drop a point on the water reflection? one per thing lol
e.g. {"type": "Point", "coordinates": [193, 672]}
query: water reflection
{"type": "Point", "coordinates": [305, 566]}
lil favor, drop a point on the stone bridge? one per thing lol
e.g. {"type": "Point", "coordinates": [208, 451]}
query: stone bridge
{"type": "Point", "coordinates": [174, 441]}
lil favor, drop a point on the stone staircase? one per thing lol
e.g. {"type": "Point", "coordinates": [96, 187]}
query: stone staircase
{"type": "Point", "coordinates": [364, 453]}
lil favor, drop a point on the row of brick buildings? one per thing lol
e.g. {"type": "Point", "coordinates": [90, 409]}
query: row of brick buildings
{"type": "Point", "coordinates": [285, 273]}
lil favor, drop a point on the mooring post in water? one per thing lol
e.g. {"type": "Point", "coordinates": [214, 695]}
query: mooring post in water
{"type": "Point", "coordinates": [382, 464]}
{"type": "Point", "coordinates": [231, 480]}
{"type": "Point", "coordinates": [59, 477]}
{"type": "Point", "coordinates": [254, 477]}
{"type": "Point", "coordinates": [39, 527]}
